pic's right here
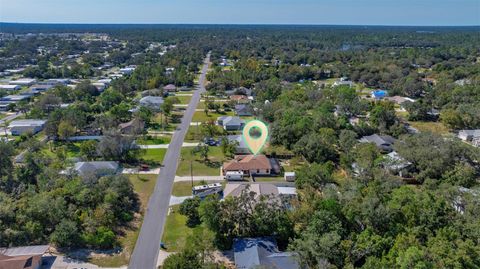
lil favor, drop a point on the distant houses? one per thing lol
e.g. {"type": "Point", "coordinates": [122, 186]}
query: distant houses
{"type": "Point", "coordinates": [20, 127]}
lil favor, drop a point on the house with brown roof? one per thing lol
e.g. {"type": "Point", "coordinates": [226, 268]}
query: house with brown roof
{"type": "Point", "coordinates": [170, 88]}
{"type": "Point", "coordinates": [256, 165]}
{"type": "Point", "coordinates": [22, 257]}
{"type": "Point", "coordinates": [135, 126]}
{"type": "Point", "coordinates": [241, 99]}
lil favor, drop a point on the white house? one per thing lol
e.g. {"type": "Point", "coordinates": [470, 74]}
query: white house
{"type": "Point", "coordinates": [23, 82]}
{"type": "Point", "coordinates": [19, 127]}
{"type": "Point", "coordinates": [10, 87]}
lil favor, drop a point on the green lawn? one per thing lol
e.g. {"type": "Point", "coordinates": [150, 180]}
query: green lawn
{"type": "Point", "coordinates": [154, 140]}
{"type": "Point", "coordinates": [201, 168]}
{"type": "Point", "coordinates": [428, 126]}
{"type": "Point", "coordinates": [200, 116]}
{"type": "Point", "coordinates": [176, 231]}
{"type": "Point", "coordinates": [194, 133]}
{"type": "Point", "coordinates": [201, 105]}
{"type": "Point", "coordinates": [143, 186]}
{"type": "Point", "coordinates": [184, 99]}
{"type": "Point", "coordinates": [154, 156]}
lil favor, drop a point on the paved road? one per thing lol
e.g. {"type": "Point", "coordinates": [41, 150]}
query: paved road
{"type": "Point", "coordinates": [148, 244]}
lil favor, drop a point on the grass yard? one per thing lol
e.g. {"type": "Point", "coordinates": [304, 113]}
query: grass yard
{"type": "Point", "coordinates": [428, 126]}
{"type": "Point", "coordinates": [184, 99]}
{"type": "Point", "coordinates": [201, 105]}
{"type": "Point", "coordinates": [154, 156]}
{"type": "Point", "coordinates": [200, 116]}
{"type": "Point", "coordinates": [194, 133]}
{"type": "Point", "coordinates": [154, 140]}
{"type": "Point", "coordinates": [143, 186]}
{"type": "Point", "coordinates": [201, 168]}
{"type": "Point", "coordinates": [176, 231]}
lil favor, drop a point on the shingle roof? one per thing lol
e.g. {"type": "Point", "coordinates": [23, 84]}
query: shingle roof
{"type": "Point", "coordinates": [248, 162]}
{"type": "Point", "coordinates": [251, 253]}
{"type": "Point", "coordinates": [85, 168]}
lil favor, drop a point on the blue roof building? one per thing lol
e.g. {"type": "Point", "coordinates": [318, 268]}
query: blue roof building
{"type": "Point", "coordinates": [379, 94]}
{"type": "Point", "coordinates": [250, 253]}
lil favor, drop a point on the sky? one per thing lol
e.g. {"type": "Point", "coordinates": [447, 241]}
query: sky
{"type": "Point", "coordinates": [330, 12]}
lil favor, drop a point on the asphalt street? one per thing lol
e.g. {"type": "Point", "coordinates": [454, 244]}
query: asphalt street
{"type": "Point", "coordinates": [148, 243]}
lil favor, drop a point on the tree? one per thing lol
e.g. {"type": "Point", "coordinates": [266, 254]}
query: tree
{"type": "Point", "coordinates": [318, 147]}
{"type": "Point", "coordinates": [189, 208]}
{"type": "Point", "coordinates": [88, 149]}
{"type": "Point", "coordinates": [186, 259]}
{"type": "Point", "coordinates": [203, 150]}
{"type": "Point", "coordinates": [229, 148]}
{"type": "Point", "coordinates": [6, 165]}
{"type": "Point", "coordinates": [65, 130]}
{"type": "Point", "coordinates": [65, 234]}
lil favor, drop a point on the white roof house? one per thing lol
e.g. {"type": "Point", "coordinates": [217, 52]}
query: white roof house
{"type": "Point", "coordinates": [10, 87]}
{"type": "Point", "coordinates": [96, 168]}
{"type": "Point", "coordinates": [469, 135]}
{"type": "Point", "coordinates": [19, 127]}
{"type": "Point", "coordinates": [23, 82]}
{"type": "Point", "coordinates": [152, 102]}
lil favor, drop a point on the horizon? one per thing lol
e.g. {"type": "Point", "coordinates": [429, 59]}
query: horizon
{"type": "Point", "coordinates": [248, 12]}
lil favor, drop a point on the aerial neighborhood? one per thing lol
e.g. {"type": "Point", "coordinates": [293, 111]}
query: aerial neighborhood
{"type": "Point", "coordinates": [127, 147]}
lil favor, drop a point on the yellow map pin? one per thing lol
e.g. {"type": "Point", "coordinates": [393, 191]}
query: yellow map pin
{"type": "Point", "coordinates": [255, 135]}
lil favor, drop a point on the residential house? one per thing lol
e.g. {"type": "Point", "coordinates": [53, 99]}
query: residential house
{"type": "Point", "coordinates": [170, 88]}
{"type": "Point", "coordinates": [10, 87]}
{"type": "Point", "coordinates": [251, 253]}
{"type": "Point", "coordinates": [343, 83]}
{"type": "Point", "coordinates": [96, 168]}
{"type": "Point", "coordinates": [472, 136]}
{"type": "Point", "coordinates": [19, 127]}
{"type": "Point", "coordinates": [379, 94]}
{"type": "Point", "coordinates": [399, 100]}
{"type": "Point", "coordinates": [252, 165]}
{"type": "Point", "coordinates": [397, 164]}
{"type": "Point", "coordinates": [100, 86]}
{"type": "Point", "coordinates": [239, 91]}
{"type": "Point", "coordinates": [231, 123]}
{"type": "Point", "coordinates": [239, 98]}
{"type": "Point", "coordinates": [243, 110]}
{"type": "Point", "coordinates": [23, 82]}
{"type": "Point", "coordinates": [135, 126]}
{"type": "Point", "coordinates": [259, 189]}
{"type": "Point", "coordinates": [384, 142]}
{"type": "Point", "coordinates": [127, 70]}
{"type": "Point", "coordinates": [241, 147]}
{"type": "Point", "coordinates": [29, 257]}
{"type": "Point", "coordinates": [14, 98]}
{"type": "Point", "coordinates": [41, 87]}
{"type": "Point", "coordinates": [152, 102]}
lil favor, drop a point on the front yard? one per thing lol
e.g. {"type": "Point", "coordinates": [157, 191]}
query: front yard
{"type": "Point", "coordinates": [211, 167]}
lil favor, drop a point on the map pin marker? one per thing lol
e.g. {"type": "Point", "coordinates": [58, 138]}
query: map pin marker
{"type": "Point", "coordinates": [255, 135]}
